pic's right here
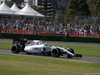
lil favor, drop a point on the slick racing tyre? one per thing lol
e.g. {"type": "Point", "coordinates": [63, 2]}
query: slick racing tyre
{"type": "Point", "coordinates": [70, 50]}
{"type": "Point", "coordinates": [15, 49]}
{"type": "Point", "coordinates": [56, 52]}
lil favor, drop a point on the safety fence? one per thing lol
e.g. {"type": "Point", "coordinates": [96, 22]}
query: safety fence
{"type": "Point", "coordinates": [14, 31]}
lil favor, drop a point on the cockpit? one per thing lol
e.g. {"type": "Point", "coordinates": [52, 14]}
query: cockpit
{"type": "Point", "coordinates": [46, 44]}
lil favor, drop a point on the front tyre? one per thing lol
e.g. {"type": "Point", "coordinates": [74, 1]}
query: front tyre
{"type": "Point", "coordinates": [56, 52]}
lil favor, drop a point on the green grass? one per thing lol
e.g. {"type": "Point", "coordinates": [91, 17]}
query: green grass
{"type": "Point", "coordinates": [84, 50]}
{"type": "Point", "coordinates": [29, 65]}
{"type": "Point", "coordinates": [6, 46]}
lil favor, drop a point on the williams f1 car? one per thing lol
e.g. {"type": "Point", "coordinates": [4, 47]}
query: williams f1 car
{"type": "Point", "coordinates": [39, 47]}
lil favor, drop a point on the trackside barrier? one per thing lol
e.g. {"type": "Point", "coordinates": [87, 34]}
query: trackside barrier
{"type": "Point", "coordinates": [20, 31]}
{"type": "Point", "coordinates": [46, 32]}
{"type": "Point", "coordinates": [0, 31]}
{"type": "Point", "coordinates": [14, 31]}
{"type": "Point", "coordinates": [32, 37]}
{"type": "Point", "coordinates": [84, 39]}
{"type": "Point", "coordinates": [5, 31]}
{"type": "Point", "coordinates": [50, 38]}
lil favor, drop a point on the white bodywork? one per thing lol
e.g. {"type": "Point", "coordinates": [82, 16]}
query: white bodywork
{"type": "Point", "coordinates": [39, 47]}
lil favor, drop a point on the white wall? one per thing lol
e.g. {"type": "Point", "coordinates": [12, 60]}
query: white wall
{"type": "Point", "coordinates": [35, 2]}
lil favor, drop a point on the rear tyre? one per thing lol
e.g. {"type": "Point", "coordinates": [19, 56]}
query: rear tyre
{"type": "Point", "coordinates": [56, 52]}
{"type": "Point", "coordinates": [70, 50]}
{"type": "Point", "coordinates": [15, 49]}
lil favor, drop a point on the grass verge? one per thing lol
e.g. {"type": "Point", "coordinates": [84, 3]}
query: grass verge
{"type": "Point", "coordinates": [6, 46]}
{"type": "Point", "coordinates": [27, 65]}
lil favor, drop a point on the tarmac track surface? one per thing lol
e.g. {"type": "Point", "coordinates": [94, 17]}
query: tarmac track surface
{"type": "Point", "coordinates": [84, 58]}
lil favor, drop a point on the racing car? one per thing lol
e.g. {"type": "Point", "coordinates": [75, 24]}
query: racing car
{"type": "Point", "coordinates": [39, 47]}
